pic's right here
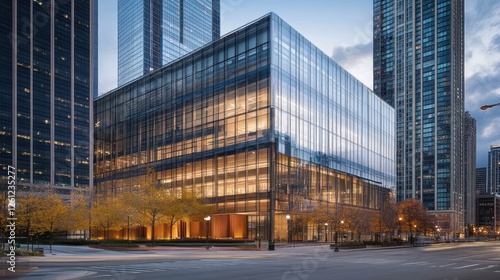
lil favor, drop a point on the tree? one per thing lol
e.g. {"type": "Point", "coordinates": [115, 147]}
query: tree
{"type": "Point", "coordinates": [389, 217]}
{"type": "Point", "coordinates": [3, 210]}
{"type": "Point", "coordinates": [29, 204]}
{"type": "Point", "coordinates": [148, 199]}
{"type": "Point", "coordinates": [108, 214]}
{"type": "Point", "coordinates": [411, 212]}
{"type": "Point", "coordinates": [353, 219]}
{"type": "Point", "coordinates": [428, 222]}
{"type": "Point", "coordinates": [318, 216]}
{"type": "Point", "coordinates": [79, 210]}
{"type": "Point", "coordinates": [364, 221]}
{"type": "Point", "coordinates": [53, 214]}
{"type": "Point", "coordinates": [188, 205]}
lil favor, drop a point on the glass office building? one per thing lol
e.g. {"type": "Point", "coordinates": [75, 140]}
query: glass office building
{"type": "Point", "coordinates": [481, 180]}
{"type": "Point", "coordinates": [488, 215]}
{"type": "Point", "coordinates": [419, 70]}
{"type": "Point", "coordinates": [152, 33]}
{"type": "Point", "coordinates": [46, 87]}
{"type": "Point", "coordinates": [261, 123]}
{"type": "Point", "coordinates": [494, 169]}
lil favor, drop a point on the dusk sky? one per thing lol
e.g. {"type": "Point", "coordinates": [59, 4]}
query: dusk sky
{"type": "Point", "coordinates": [343, 30]}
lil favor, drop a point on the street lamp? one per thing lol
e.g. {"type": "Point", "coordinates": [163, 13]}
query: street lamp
{"type": "Point", "coordinates": [486, 107]}
{"type": "Point", "coordinates": [326, 232]}
{"type": "Point", "coordinates": [207, 221]}
{"type": "Point", "coordinates": [288, 220]}
{"type": "Point", "coordinates": [341, 223]}
{"type": "Point", "coordinates": [399, 231]}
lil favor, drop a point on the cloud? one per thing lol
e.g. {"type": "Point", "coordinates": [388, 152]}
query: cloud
{"type": "Point", "coordinates": [490, 130]}
{"type": "Point", "coordinates": [482, 71]}
{"type": "Point", "coordinates": [483, 88]}
{"type": "Point", "coordinates": [495, 43]}
{"type": "Point", "coordinates": [357, 60]}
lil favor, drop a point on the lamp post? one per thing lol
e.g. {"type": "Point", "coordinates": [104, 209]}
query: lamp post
{"type": "Point", "coordinates": [128, 228]}
{"type": "Point", "coordinates": [326, 232]}
{"type": "Point", "coordinates": [399, 230]}
{"type": "Point", "coordinates": [289, 233]}
{"type": "Point", "coordinates": [341, 223]}
{"type": "Point", "coordinates": [336, 237]}
{"type": "Point", "coordinates": [207, 221]}
{"type": "Point", "coordinates": [486, 107]}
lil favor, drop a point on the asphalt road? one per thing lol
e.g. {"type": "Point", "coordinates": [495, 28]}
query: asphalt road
{"type": "Point", "coordinates": [479, 260]}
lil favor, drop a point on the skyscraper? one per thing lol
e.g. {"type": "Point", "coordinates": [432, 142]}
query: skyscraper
{"type": "Point", "coordinates": [152, 33]}
{"type": "Point", "coordinates": [419, 69]}
{"type": "Point", "coordinates": [481, 180]}
{"type": "Point", "coordinates": [470, 170]}
{"type": "Point", "coordinates": [493, 185]}
{"type": "Point", "coordinates": [46, 88]}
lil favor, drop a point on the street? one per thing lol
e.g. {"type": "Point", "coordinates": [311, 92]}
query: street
{"type": "Point", "coordinates": [479, 260]}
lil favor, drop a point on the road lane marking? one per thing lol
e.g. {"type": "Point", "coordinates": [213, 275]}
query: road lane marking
{"type": "Point", "coordinates": [114, 268]}
{"type": "Point", "coordinates": [466, 266]}
{"type": "Point", "coordinates": [420, 263]}
{"type": "Point", "coordinates": [483, 268]}
{"type": "Point", "coordinates": [445, 265]}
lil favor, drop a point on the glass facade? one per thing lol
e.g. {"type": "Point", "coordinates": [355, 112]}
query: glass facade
{"type": "Point", "coordinates": [418, 69]}
{"type": "Point", "coordinates": [152, 33]}
{"type": "Point", "coordinates": [47, 89]}
{"type": "Point", "coordinates": [260, 122]}
{"type": "Point", "coordinates": [481, 179]}
{"type": "Point", "coordinates": [494, 169]}
{"type": "Point", "coordinates": [470, 170]}
{"type": "Point", "coordinates": [488, 215]}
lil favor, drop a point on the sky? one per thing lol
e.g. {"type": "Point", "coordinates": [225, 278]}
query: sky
{"type": "Point", "coordinates": [343, 30]}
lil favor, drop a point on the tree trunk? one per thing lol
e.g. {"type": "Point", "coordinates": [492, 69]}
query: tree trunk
{"type": "Point", "coordinates": [171, 229]}
{"type": "Point", "coordinates": [51, 241]}
{"type": "Point", "coordinates": [153, 230]}
{"type": "Point", "coordinates": [27, 236]}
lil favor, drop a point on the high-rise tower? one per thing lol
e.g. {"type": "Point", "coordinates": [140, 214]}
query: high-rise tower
{"type": "Point", "coordinates": [46, 88]}
{"type": "Point", "coordinates": [151, 33]}
{"type": "Point", "coordinates": [419, 69]}
{"type": "Point", "coordinates": [470, 171]}
{"type": "Point", "coordinates": [493, 185]}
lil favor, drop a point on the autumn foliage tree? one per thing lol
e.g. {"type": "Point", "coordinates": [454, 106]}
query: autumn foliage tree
{"type": "Point", "coordinates": [29, 207]}
{"type": "Point", "coordinates": [108, 214]}
{"type": "Point", "coordinates": [148, 199]}
{"type": "Point", "coordinates": [3, 210]}
{"type": "Point", "coordinates": [53, 213]}
{"type": "Point", "coordinates": [78, 217]}
{"type": "Point", "coordinates": [389, 217]}
{"type": "Point", "coordinates": [186, 205]}
{"type": "Point", "coordinates": [411, 212]}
